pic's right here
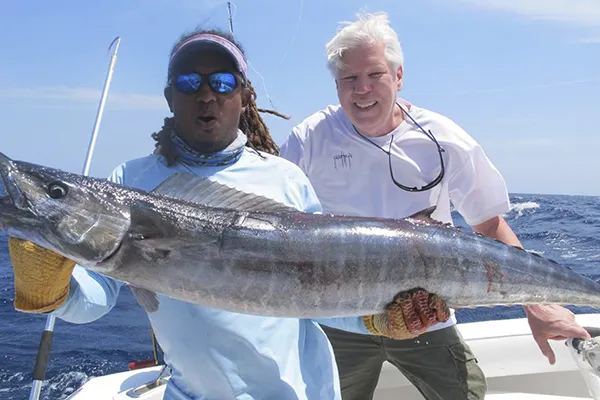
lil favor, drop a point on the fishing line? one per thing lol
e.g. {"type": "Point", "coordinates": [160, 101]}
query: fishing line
{"type": "Point", "coordinates": [229, 4]}
{"type": "Point", "coordinates": [231, 17]}
{"type": "Point", "coordinates": [293, 36]}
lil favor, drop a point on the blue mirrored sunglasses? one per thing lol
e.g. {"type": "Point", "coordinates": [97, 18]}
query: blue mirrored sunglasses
{"type": "Point", "coordinates": [219, 82]}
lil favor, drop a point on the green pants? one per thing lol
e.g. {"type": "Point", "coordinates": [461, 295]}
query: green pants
{"type": "Point", "coordinates": [439, 363]}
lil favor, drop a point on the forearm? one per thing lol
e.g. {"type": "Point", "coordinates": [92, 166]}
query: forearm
{"type": "Point", "coordinates": [91, 296]}
{"type": "Point", "coordinates": [497, 228]}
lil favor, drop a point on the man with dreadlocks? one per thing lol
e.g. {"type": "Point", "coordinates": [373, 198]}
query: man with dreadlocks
{"type": "Point", "coordinates": [251, 124]}
{"type": "Point", "coordinates": [213, 354]}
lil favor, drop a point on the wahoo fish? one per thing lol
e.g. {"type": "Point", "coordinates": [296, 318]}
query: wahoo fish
{"type": "Point", "coordinates": [206, 243]}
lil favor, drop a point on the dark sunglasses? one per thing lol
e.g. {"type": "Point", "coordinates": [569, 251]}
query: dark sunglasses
{"type": "Point", "coordinates": [440, 150]}
{"type": "Point", "coordinates": [219, 82]}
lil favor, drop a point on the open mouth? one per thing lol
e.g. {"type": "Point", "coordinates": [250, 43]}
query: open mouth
{"type": "Point", "coordinates": [367, 105]}
{"type": "Point", "coordinates": [206, 119]}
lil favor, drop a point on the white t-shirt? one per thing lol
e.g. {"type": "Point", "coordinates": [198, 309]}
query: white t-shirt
{"type": "Point", "coordinates": [352, 176]}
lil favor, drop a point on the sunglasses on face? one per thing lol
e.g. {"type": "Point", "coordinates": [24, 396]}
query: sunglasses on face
{"type": "Point", "coordinates": [219, 82]}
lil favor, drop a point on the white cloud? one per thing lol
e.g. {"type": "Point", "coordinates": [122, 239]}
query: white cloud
{"type": "Point", "coordinates": [183, 4]}
{"type": "Point", "coordinates": [526, 143]}
{"type": "Point", "coordinates": [191, 5]}
{"type": "Point", "coordinates": [590, 40]}
{"type": "Point", "coordinates": [523, 88]}
{"type": "Point", "coordinates": [209, 4]}
{"type": "Point", "coordinates": [540, 143]}
{"type": "Point", "coordinates": [580, 12]}
{"type": "Point", "coordinates": [78, 95]}
{"type": "Point", "coordinates": [141, 10]}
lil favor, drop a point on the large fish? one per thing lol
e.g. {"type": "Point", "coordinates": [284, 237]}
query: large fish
{"type": "Point", "coordinates": [200, 241]}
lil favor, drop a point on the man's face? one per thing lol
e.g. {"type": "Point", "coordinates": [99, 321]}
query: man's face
{"type": "Point", "coordinates": [206, 120]}
{"type": "Point", "coordinates": [367, 86]}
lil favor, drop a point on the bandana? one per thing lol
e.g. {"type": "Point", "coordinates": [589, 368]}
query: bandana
{"type": "Point", "coordinates": [227, 156]}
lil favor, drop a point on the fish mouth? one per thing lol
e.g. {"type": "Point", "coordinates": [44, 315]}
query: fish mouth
{"type": "Point", "coordinates": [15, 210]}
{"type": "Point", "coordinates": [9, 190]}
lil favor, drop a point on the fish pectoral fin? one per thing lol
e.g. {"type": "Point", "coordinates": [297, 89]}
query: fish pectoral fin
{"type": "Point", "coordinates": [145, 298]}
{"type": "Point", "coordinates": [166, 250]}
{"type": "Point", "coordinates": [154, 249]}
{"type": "Point", "coordinates": [200, 190]}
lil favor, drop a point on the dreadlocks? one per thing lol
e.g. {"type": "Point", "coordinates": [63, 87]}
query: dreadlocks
{"type": "Point", "coordinates": [251, 122]}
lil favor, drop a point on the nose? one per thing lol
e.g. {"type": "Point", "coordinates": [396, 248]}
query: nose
{"type": "Point", "coordinates": [362, 85]}
{"type": "Point", "coordinates": [205, 94]}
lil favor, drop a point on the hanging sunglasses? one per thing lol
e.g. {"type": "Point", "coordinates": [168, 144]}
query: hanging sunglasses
{"type": "Point", "coordinates": [440, 150]}
{"type": "Point", "coordinates": [219, 82]}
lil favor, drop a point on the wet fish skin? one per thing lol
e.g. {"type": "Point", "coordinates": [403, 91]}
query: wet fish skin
{"type": "Point", "coordinates": [244, 253]}
{"type": "Point", "coordinates": [85, 225]}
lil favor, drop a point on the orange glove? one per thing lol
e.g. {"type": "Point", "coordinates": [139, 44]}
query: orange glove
{"type": "Point", "coordinates": [42, 277]}
{"type": "Point", "coordinates": [410, 314]}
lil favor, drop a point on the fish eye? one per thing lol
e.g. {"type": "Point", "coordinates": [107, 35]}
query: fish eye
{"type": "Point", "coordinates": [57, 190]}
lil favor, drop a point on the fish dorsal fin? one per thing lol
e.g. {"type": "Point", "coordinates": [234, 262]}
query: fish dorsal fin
{"type": "Point", "coordinates": [200, 190]}
{"type": "Point", "coordinates": [425, 216]}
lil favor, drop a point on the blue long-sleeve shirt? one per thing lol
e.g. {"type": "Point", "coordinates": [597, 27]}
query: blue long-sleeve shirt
{"type": "Point", "coordinates": [217, 354]}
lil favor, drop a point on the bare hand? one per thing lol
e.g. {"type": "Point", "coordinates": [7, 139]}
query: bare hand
{"type": "Point", "coordinates": [552, 322]}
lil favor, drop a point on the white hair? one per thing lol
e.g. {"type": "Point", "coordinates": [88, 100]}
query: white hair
{"type": "Point", "coordinates": [369, 29]}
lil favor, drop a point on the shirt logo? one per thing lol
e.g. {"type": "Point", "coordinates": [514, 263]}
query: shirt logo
{"type": "Point", "coordinates": [342, 160]}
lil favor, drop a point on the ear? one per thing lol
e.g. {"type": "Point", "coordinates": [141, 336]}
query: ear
{"type": "Point", "coordinates": [399, 75]}
{"type": "Point", "coordinates": [168, 97]}
{"type": "Point", "coordinates": [247, 96]}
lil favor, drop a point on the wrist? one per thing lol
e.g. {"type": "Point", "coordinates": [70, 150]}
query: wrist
{"type": "Point", "coordinates": [369, 323]}
{"type": "Point", "coordinates": [42, 278]}
{"type": "Point", "coordinates": [540, 310]}
{"type": "Point", "coordinates": [40, 302]}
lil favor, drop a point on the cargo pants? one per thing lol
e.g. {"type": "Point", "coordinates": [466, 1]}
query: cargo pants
{"type": "Point", "coordinates": [438, 363]}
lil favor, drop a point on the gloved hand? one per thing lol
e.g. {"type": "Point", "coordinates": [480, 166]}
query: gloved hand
{"type": "Point", "coordinates": [42, 277]}
{"type": "Point", "coordinates": [410, 314]}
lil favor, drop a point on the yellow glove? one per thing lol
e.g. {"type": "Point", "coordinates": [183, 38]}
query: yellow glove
{"type": "Point", "coordinates": [410, 314]}
{"type": "Point", "coordinates": [42, 277]}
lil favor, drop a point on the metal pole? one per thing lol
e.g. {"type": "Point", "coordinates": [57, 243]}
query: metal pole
{"type": "Point", "coordinates": [43, 355]}
{"type": "Point", "coordinates": [111, 67]}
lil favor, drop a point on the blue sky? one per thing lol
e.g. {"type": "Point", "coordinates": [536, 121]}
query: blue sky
{"type": "Point", "coordinates": [521, 76]}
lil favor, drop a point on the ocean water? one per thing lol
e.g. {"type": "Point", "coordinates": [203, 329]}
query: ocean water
{"type": "Point", "coordinates": [564, 228]}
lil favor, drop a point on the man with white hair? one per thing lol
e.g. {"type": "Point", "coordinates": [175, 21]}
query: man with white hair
{"type": "Point", "coordinates": [377, 155]}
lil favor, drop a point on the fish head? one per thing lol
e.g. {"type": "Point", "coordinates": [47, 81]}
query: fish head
{"type": "Point", "coordinates": [80, 217]}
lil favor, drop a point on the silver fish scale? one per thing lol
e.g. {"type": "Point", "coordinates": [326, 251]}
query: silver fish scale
{"type": "Point", "coordinates": [341, 266]}
{"type": "Point", "coordinates": [208, 244]}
